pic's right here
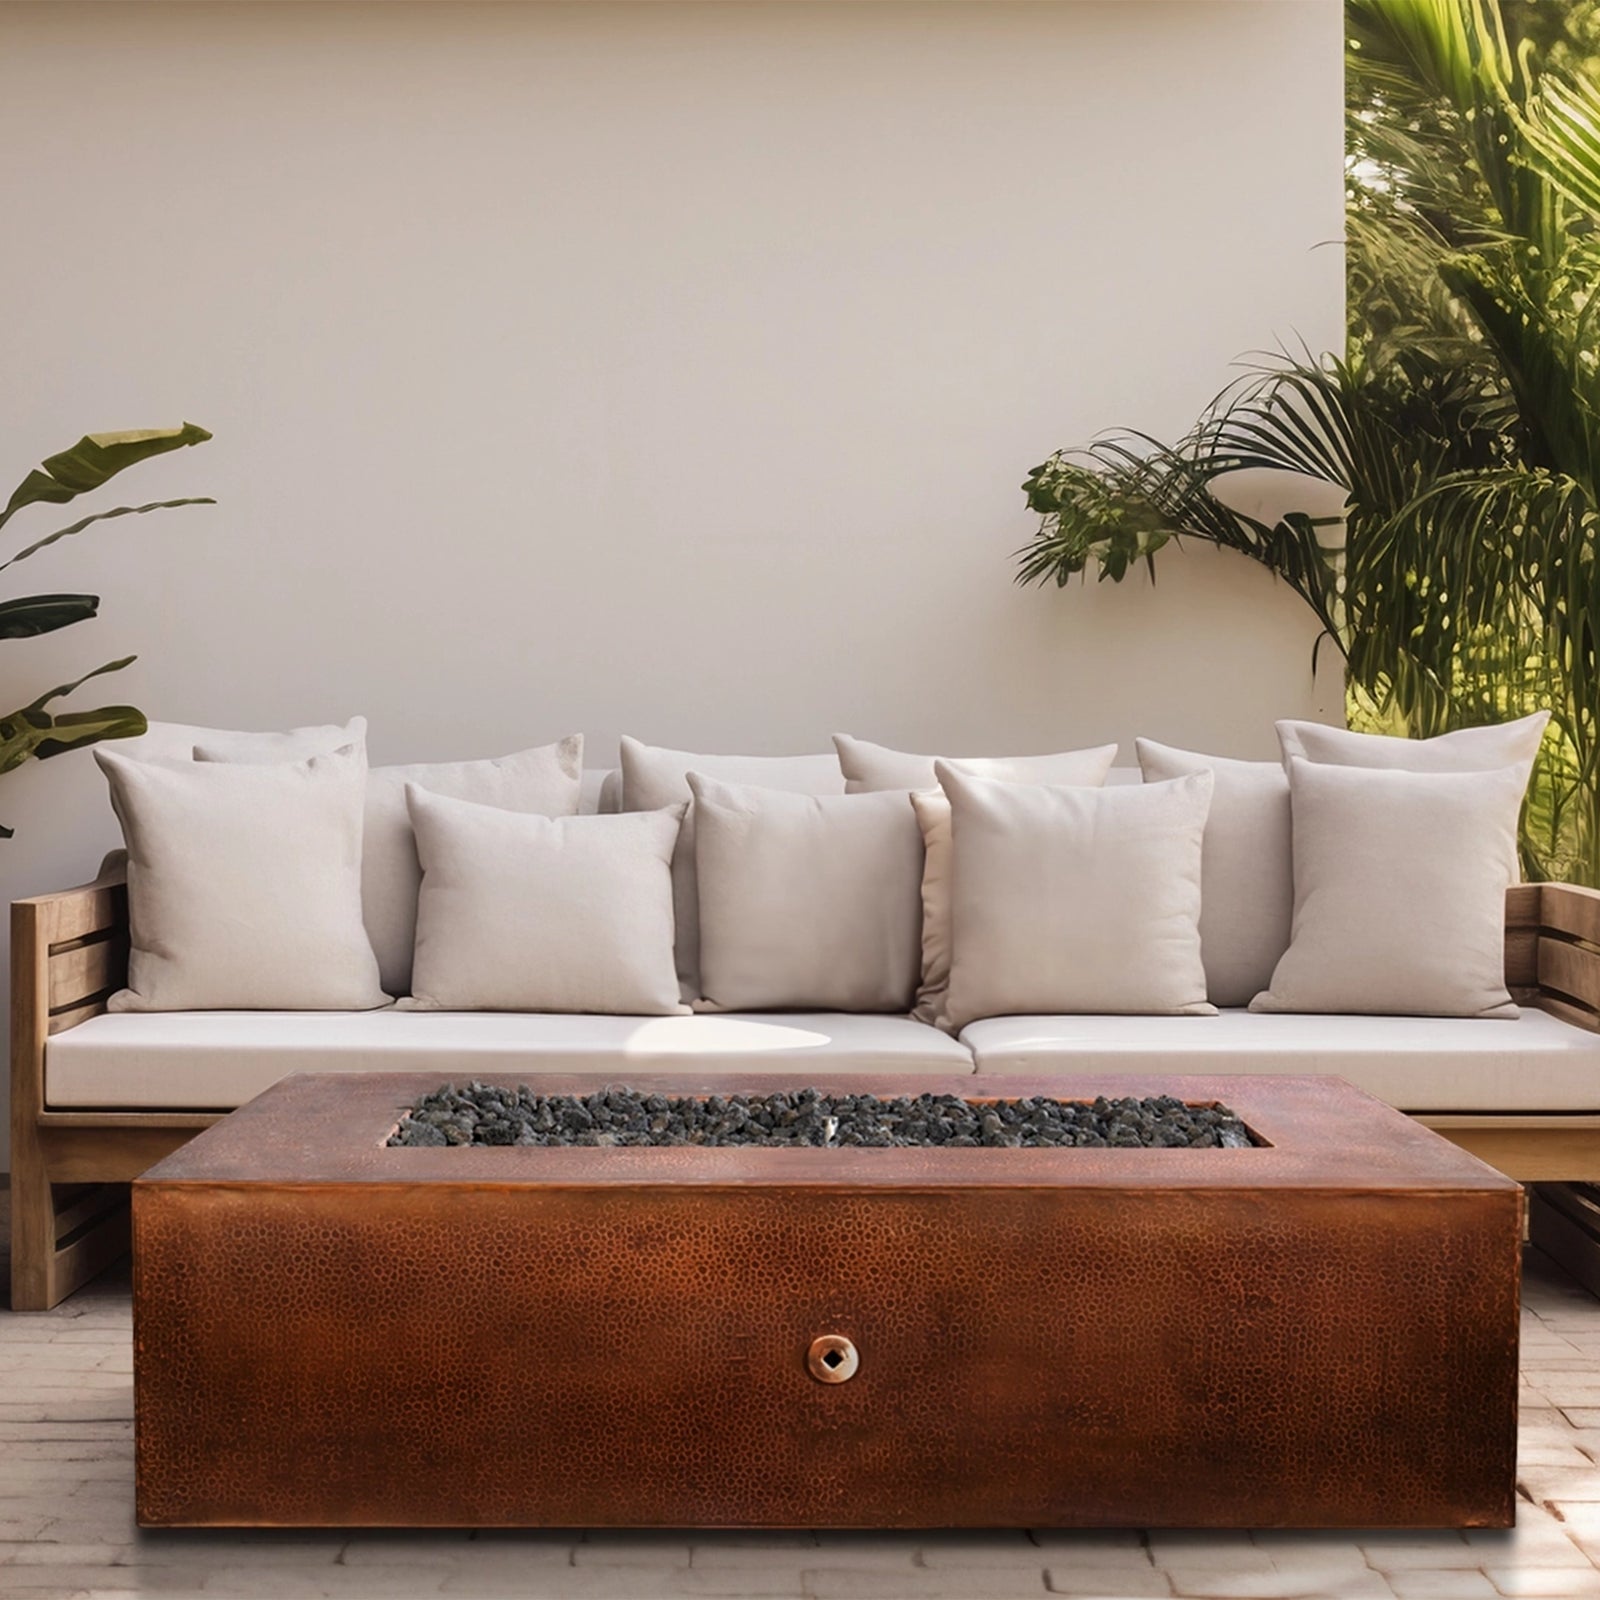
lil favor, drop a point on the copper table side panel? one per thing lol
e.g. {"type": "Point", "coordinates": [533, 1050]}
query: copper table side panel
{"type": "Point", "coordinates": [331, 1333]}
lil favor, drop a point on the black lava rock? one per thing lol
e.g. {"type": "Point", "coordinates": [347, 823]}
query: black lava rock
{"type": "Point", "coordinates": [482, 1114]}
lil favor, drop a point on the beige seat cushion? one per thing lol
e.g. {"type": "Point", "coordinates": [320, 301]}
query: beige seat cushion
{"type": "Point", "coordinates": [1534, 1062]}
{"type": "Point", "coordinates": [219, 1059]}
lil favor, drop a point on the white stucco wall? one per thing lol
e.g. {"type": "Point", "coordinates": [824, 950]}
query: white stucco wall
{"type": "Point", "coordinates": [663, 369]}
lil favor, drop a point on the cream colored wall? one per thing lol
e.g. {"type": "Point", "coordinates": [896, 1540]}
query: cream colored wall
{"type": "Point", "coordinates": [667, 369]}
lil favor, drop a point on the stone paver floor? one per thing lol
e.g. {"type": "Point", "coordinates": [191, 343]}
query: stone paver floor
{"type": "Point", "coordinates": [67, 1528]}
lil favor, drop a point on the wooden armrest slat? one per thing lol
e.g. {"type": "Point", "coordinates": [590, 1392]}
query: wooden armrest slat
{"type": "Point", "coordinates": [1571, 909]}
{"type": "Point", "coordinates": [84, 970]}
{"type": "Point", "coordinates": [1523, 905]}
{"type": "Point", "coordinates": [96, 908]}
{"type": "Point", "coordinates": [1522, 957]}
{"type": "Point", "coordinates": [1570, 970]}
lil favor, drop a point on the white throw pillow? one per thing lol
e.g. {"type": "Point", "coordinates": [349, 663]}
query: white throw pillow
{"type": "Point", "coordinates": [653, 777]}
{"type": "Point", "coordinates": [545, 780]}
{"type": "Point", "coordinates": [869, 767]}
{"type": "Point", "coordinates": [1485, 749]}
{"type": "Point", "coordinates": [520, 912]}
{"type": "Point", "coordinates": [807, 902]}
{"type": "Point", "coordinates": [1400, 885]}
{"type": "Point", "coordinates": [244, 885]}
{"type": "Point", "coordinates": [176, 741]}
{"type": "Point", "coordinates": [1075, 899]}
{"type": "Point", "coordinates": [1246, 872]}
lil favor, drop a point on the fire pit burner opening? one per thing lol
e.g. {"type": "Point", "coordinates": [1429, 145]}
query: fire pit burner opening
{"type": "Point", "coordinates": [482, 1114]}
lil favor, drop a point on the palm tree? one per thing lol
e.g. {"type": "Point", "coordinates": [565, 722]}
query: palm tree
{"type": "Point", "coordinates": [1462, 426]}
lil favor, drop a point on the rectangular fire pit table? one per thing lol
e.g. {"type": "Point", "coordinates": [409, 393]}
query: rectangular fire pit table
{"type": "Point", "coordinates": [1319, 1331]}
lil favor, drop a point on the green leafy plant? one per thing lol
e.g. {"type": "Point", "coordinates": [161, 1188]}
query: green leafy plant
{"type": "Point", "coordinates": [1462, 426]}
{"type": "Point", "coordinates": [34, 731]}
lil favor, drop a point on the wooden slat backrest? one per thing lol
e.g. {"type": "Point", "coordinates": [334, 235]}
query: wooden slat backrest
{"type": "Point", "coordinates": [1569, 952]}
{"type": "Point", "coordinates": [82, 970]}
{"type": "Point", "coordinates": [74, 946]}
{"type": "Point", "coordinates": [1522, 936]}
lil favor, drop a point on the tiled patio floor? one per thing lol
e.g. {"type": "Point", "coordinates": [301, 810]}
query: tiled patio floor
{"type": "Point", "coordinates": [66, 1514]}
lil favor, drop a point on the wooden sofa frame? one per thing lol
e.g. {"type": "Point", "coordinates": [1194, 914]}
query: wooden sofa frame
{"type": "Point", "coordinates": [70, 1169]}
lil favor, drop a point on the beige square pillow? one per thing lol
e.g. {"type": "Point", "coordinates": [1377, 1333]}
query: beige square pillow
{"type": "Point", "coordinates": [175, 741]}
{"type": "Point", "coordinates": [807, 902]}
{"type": "Point", "coordinates": [1075, 899]}
{"type": "Point", "coordinates": [869, 767]}
{"type": "Point", "coordinates": [545, 780]}
{"type": "Point", "coordinates": [1400, 885]}
{"type": "Point", "coordinates": [653, 777]}
{"type": "Point", "coordinates": [1088, 768]}
{"type": "Point", "coordinates": [244, 885]}
{"type": "Point", "coordinates": [1246, 870]}
{"type": "Point", "coordinates": [1484, 749]}
{"type": "Point", "coordinates": [520, 912]}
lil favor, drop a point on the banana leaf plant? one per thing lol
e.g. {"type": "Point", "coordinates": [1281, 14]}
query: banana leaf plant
{"type": "Point", "coordinates": [1462, 425]}
{"type": "Point", "coordinates": [34, 731]}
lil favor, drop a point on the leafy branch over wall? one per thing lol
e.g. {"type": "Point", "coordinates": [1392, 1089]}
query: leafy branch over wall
{"type": "Point", "coordinates": [1462, 425]}
{"type": "Point", "coordinates": [34, 731]}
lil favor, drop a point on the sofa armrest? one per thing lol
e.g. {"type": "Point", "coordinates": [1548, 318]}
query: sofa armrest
{"type": "Point", "coordinates": [1553, 949]}
{"type": "Point", "coordinates": [69, 953]}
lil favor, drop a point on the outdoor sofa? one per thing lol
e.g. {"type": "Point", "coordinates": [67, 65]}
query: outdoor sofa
{"type": "Point", "coordinates": [98, 1096]}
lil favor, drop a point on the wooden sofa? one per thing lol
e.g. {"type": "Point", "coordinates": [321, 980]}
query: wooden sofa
{"type": "Point", "coordinates": [70, 1168]}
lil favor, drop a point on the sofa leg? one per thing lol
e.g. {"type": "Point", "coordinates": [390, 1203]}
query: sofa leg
{"type": "Point", "coordinates": [33, 1229]}
{"type": "Point", "coordinates": [1564, 1222]}
{"type": "Point", "coordinates": [61, 1237]}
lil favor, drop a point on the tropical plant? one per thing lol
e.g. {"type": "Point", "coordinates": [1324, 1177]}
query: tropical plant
{"type": "Point", "coordinates": [34, 731]}
{"type": "Point", "coordinates": [1462, 426]}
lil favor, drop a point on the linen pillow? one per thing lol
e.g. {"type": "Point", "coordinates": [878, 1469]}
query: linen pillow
{"type": "Point", "coordinates": [871, 767]}
{"type": "Point", "coordinates": [545, 780]}
{"type": "Point", "coordinates": [868, 767]}
{"type": "Point", "coordinates": [1503, 744]}
{"type": "Point", "coordinates": [1075, 899]}
{"type": "Point", "coordinates": [1483, 749]}
{"type": "Point", "coordinates": [933, 817]}
{"type": "Point", "coordinates": [520, 912]}
{"type": "Point", "coordinates": [653, 777]}
{"type": "Point", "coordinates": [244, 885]}
{"type": "Point", "coordinates": [175, 741]}
{"type": "Point", "coordinates": [807, 902]}
{"type": "Point", "coordinates": [1400, 885]}
{"type": "Point", "coordinates": [1246, 868]}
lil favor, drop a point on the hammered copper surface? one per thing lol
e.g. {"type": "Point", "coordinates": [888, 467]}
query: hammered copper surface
{"type": "Point", "coordinates": [1319, 1333]}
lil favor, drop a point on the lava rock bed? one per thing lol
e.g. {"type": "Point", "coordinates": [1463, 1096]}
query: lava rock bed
{"type": "Point", "coordinates": [481, 1114]}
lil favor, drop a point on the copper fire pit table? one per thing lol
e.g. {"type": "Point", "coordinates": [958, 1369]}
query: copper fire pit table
{"type": "Point", "coordinates": [1320, 1331]}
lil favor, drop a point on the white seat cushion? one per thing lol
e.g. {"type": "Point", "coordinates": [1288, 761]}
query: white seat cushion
{"type": "Point", "coordinates": [215, 1060]}
{"type": "Point", "coordinates": [1534, 1062]}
